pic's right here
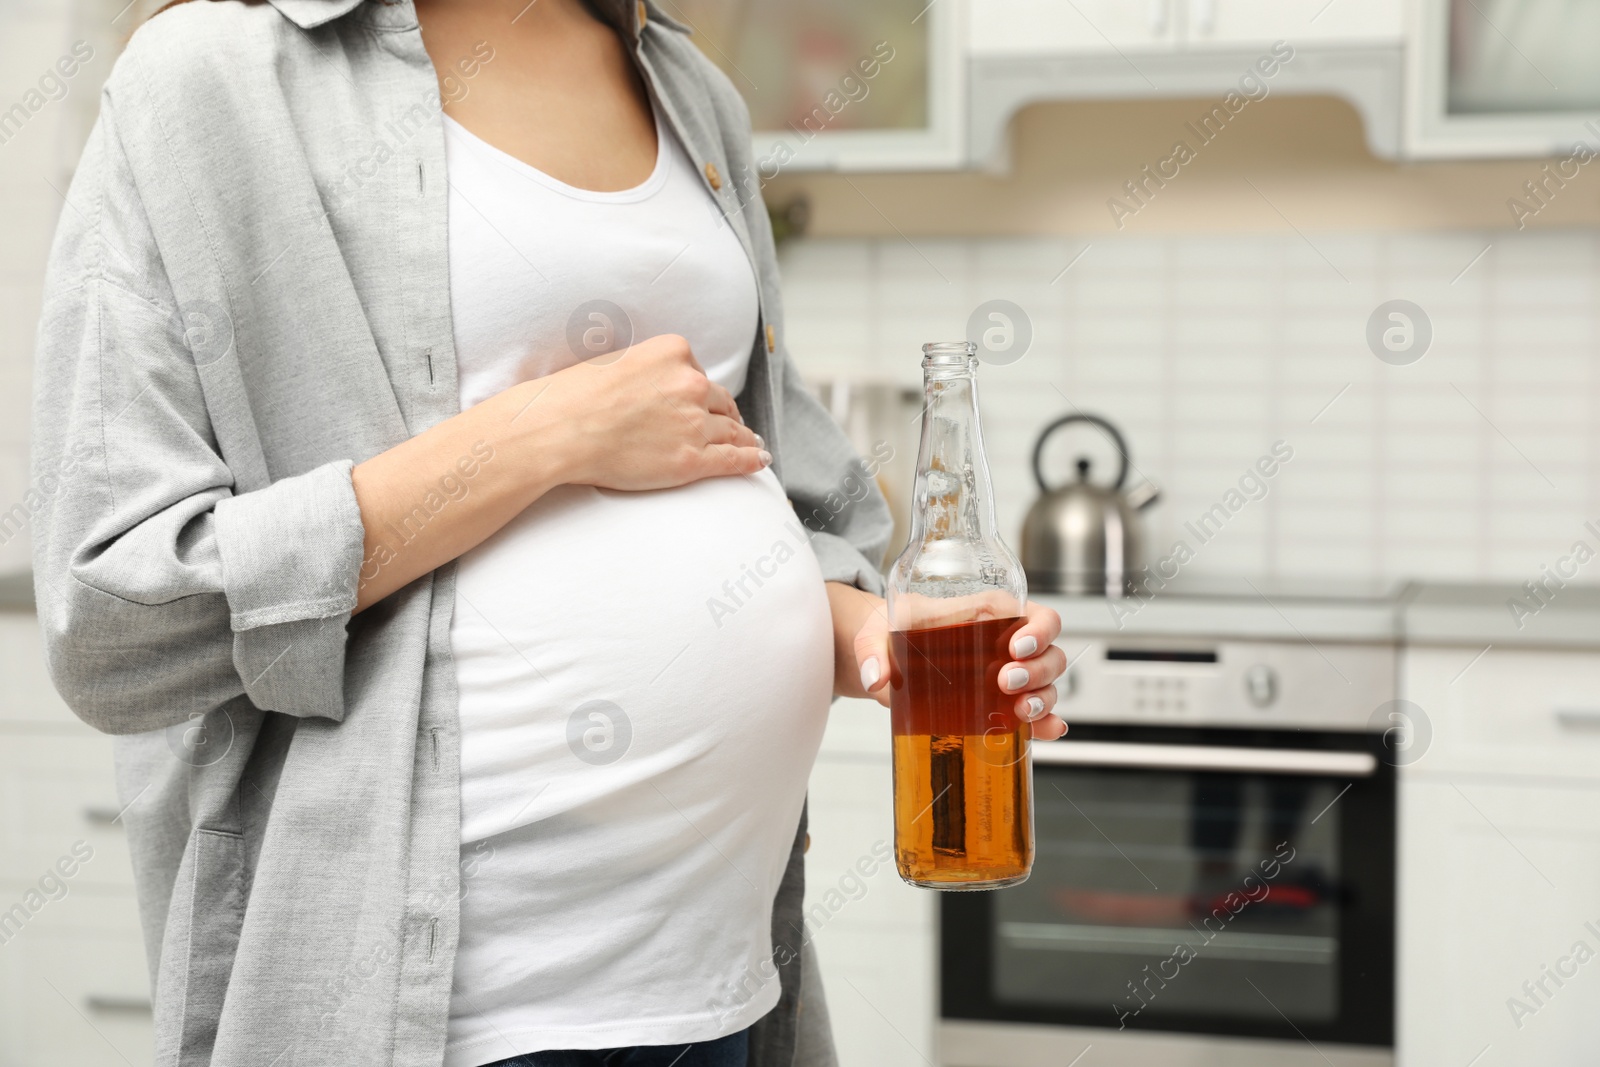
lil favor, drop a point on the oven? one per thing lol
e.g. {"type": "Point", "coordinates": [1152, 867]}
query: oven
{"type": "Point", "coordinates": [1214, 870]}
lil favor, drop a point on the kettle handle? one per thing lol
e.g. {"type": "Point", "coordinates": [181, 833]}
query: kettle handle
{"type": "Point", "coordinates": [1116, 439]}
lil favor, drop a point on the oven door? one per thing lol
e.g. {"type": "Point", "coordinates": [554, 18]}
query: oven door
{"type": "Point", "coordinates": [1212, 881]}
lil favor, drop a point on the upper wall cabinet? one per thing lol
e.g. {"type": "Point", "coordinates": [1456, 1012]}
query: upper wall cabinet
{"type": "Point", "coordinates": [1090, 26]}
{"type": "Point", "coordinates": [1027, 51]}
{"type": "Point", "coordinates": [1300, 22]}
{"type": "Point", "coordinates": [1504, 78]}
{"type": "Point", "coordinates": [910, 84]}
{"type": "Point", "coordinates": [840, 84]}
{"type": "Point", "coordinates": [1042, 27]}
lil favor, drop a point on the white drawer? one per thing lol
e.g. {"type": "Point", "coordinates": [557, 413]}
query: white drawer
{"type": "Point", "coordinates": [28, 694]}
{"type": "Point", "coordinates": [74, 986]}
{"type": "Point", "coordinates": [57, 791]}
{"type": "Point", "coordinates": [1514, 711]}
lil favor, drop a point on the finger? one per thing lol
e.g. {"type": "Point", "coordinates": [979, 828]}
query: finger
{"type": "Point", "coordinates": [662, 350]}
{"type": "Point", "coordinates": [1035, 673]}
{"type": "Point", "coordinates": [874, 670]}
{"type": "Point", "coordinates": [1043, 626]}
{"type": "Point", "coordinates": [720, 402]}
{"type": "Point", "coordinates": [679, 345]}
{"type": "Point", "coordinates": [872, 655]}
{"type": "Point", "coordinates": [1049, 728]}
{"type": "Point", "coordinates": [1031, 707]}
{"type": "Point", "coordinates": [725, 431]}
{"type": "Point", "coordinates": [722, 460]}
{"type": "Point", "coordinates": [721, 430]}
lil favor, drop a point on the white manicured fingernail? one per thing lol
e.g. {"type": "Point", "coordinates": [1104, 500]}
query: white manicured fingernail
{"type": "Point", "coordinates": [766, 458]}
{"type": "Point", "coordinates": [761, 441]}
{"type": "Point", "coordinates": [1035, 708]}
{"type": "Point", "coordinates": [1023, 647]}
{"type": "Point", "coordinates": [1016, 678]}
{"type": "Point", "coordinates": [870, 673]}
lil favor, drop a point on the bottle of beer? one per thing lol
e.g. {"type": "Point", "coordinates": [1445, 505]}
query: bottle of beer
{"type": "Point", "coordinates": [963, 789]}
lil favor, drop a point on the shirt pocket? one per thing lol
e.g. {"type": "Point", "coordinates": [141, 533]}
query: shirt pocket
{"type": "Point", "coordinates": [202, 939]}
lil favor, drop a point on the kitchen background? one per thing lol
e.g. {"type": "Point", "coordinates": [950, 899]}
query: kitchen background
{"type": "Point", "coordinates": [1210, 315]}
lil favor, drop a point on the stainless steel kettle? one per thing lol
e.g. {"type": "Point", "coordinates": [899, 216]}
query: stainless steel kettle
{"type": "Point", "coordinates": [1081, 538]}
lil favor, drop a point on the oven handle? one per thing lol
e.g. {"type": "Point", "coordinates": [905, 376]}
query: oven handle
{"type": "Point", "coordinates": [1206, 758]}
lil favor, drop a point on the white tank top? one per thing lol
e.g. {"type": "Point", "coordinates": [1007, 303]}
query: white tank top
{"type": "Point", "coordinates": [644, 677]}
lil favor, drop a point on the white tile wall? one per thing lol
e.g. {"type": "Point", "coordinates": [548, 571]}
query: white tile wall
{"type": "Point", "coordinates": [1481, 461]}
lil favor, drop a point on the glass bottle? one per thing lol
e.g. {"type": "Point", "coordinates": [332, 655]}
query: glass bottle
{"type": "Point", "coordinates": [963, 790]}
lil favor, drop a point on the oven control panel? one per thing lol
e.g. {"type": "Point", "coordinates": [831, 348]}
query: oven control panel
{"type": "Point", "coordinates": [1158, 694]}
{"type": "Point", "coordinates": [1327, 685]}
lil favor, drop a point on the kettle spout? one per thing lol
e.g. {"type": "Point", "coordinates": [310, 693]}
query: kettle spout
{"type": "Point", "coordinates": [1142, 496]}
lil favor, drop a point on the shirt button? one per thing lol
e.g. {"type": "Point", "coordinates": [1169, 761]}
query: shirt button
{"type": "Point", "coordinates": [712, 176]}
{"type": "Point", "coordinates": [772, 338]}
{"type": "Point", "coordinates": [807, 847]}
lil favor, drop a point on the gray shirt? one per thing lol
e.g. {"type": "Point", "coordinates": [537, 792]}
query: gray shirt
{"type": "Point", "coordinates": [248, 294]}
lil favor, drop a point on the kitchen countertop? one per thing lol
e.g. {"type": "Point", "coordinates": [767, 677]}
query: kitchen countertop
{"type": "Point", "coordinates": [1254, 610]}
{"type": "Point", "coordinates": [1411, 612]}
{"type": "Point", "coordinates": [1425, 613]}
{"type": "Point", "coordinates": [1482, 614]}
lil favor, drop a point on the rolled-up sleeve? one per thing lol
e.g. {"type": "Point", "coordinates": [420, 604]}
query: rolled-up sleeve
{"type": "Point", "coordinates": [164, 590]}
{"type": "Point", "coordinates": [290, 555]}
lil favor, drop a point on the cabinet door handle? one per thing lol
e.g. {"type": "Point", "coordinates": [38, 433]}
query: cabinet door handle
{"type": "Point", "coordinates": [1204, 14]}
{"type": "Point", "coordinates": [1158, 17]}
{"type": "Point", "coordinates": [1579, 718]}
{"type": "Point", "coordinates": [1137, 754]}
{"type": "Point", "coordinates": [129, 1005]}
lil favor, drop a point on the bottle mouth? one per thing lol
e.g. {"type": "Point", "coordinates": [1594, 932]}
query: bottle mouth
{"type": "Point", "coordinates": [951, 354]}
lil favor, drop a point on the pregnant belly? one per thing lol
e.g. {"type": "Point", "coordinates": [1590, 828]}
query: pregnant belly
{"type": "Point", "coordinates": [612, 645]}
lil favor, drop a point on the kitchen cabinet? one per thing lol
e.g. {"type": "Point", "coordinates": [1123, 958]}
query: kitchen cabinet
{"type": "Point", "coordinates": [74, 984]}
{"type": "Point", "coordinates": [1499, 857]}
{"type": "Point", "coordinates": [839, 84]}
{"type": "Point", "coordinates": [28, 696]}
{"type": "Point", "coordinates": [1516, 711]}
{"type": "Point", "coordinates": [961, 68]}
{"type": "Point", "coordinates": [1302, 23]}
{"type": "Point", "coordinates": [57, 790]}
{"type": "Point", "coordinates": [1026, 51]}
{"type": "Point", "coordinates": [1502, 79]}
{"type": "Point", "coordinates": [1086, 26]}
{"type": "Point", "coordinates": [1097, 26]}
{"type": "Point", "coordinates": [1499, 883]}
{"type": "Point", "coordinates": [74, 987]}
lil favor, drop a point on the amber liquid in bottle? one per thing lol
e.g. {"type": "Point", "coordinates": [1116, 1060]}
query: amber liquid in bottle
{"type": "Point", "coordinates": [963, 793]}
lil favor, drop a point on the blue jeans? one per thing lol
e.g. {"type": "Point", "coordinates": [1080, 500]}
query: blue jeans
{"type": "Point", "coordinates": [730, 1051]}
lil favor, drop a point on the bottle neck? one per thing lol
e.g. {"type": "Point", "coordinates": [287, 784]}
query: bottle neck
{"type": "Point", "coordinates": [953, 496]}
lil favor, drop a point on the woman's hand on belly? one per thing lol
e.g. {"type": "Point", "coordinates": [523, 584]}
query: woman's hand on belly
{"type": "Point", "coordinates": [861, 657]}
{"type": "Point", "coordinates": [650, 419]}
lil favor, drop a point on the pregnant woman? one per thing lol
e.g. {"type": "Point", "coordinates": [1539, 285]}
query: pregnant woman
{"type": "Point", "coordinates": [467, 652]}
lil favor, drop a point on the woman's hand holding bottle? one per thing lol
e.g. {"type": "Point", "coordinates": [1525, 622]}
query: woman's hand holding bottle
{"type": "Point", "coordinates": [861, 627]}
